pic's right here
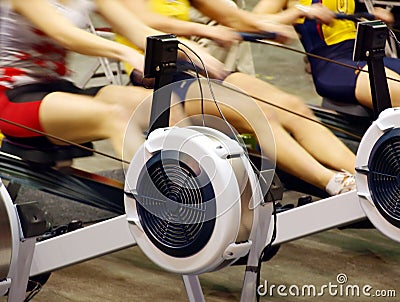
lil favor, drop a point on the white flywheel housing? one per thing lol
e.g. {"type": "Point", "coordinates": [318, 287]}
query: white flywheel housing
{"type": "Point", "coordinates": [190, 198]}
{"type": "Point", "coordinates": [378, 173]}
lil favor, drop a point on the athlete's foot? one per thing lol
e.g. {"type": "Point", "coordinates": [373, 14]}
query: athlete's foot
{"type": "Point", "coordinates": [341, 182]}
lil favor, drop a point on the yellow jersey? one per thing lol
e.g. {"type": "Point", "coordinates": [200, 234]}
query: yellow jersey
{"type": "Point", "coordinates": [315, 34]}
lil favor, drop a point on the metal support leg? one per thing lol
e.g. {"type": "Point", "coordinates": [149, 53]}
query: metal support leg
{"type": "Point", "coordinates": [20, 276]}
{"type": "Point", "coordinates": [263, 220]}
{"type": "Point", "coordinates": [193, 288]}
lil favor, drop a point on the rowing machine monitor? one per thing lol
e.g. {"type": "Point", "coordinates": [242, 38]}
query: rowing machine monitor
{"type": "Point", "coordinates": [161, 54]}
{"type": "Point", "coordinates": [370, 47]}
{"type": "Point", "coordinates": [160, 63]}
{"type": "Point", "coordinates": [371, 40]}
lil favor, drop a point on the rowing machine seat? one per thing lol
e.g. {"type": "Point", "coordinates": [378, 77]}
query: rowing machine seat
{"type": "Point", "coordinates": [347, 108]}
{"type": "Point", "coordinates": [39, 150]}
{"type": "Point", "coordinates": [348, 121]}
{"type": "Point", "coordinates": [38, 164]}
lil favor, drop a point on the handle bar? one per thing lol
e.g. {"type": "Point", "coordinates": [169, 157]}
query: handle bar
{"type": "Point", "coordinates": [252, 37]}
{"type": "Point", "coordinates": [355, 17]}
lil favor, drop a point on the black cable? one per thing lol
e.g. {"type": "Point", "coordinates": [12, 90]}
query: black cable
{"type": "Point", "coordinates": [338, 129]}
{"type": "Point", "coordinates": [198, 81]}
{"type": "Point", "coordinates": [354, 17]}
{"type": "Point", "coordinates": [266, 249]}
{"type": "Point", "coordinates": [258, 172]}
{"type": "Point", "coordinates": [391, 33]}
{"type": "Point", "coordinates": [38, 286]}
{"type": "Point", "coordinates": [220, 112]}
{"type": "Point", "coordinates": [34, 291]}
{"type": "Point", "coordinates": [210, 87]}
{"type": "Point", "coordinates": [317, 57]}
{"type": "Point", "coordinates": [295, 113]}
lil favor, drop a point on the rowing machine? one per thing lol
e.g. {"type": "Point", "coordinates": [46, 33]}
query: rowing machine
{"type": "Point", "coordinates": [128, 230]}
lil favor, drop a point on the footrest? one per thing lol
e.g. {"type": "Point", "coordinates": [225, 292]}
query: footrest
{"type": "Point", "coordinates": [41, 151]}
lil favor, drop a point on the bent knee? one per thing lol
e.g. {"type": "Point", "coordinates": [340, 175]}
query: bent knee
{"type": "Point", "coordinates": [234, 77]}
{"type": "Point", "coordinates": [270, 113]}
{"type": "Point", "coordinates": [106, 90]}
{"type": "Point", "coordinates": [111, 92]}
{"type": "Point", "coordinates": [297, 105]}
{"type": "Point", "coordinates": [296, 109]}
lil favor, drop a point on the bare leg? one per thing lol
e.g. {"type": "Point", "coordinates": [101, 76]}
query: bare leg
{"type": "Point", "coordinates": [321, 143]}
{"type": "Point", "coordinates": [126, 96]}
{"type": "Point", "coordinates": [363, 88]}
{"type": "Point", "coordinates": [240, 111]}
{"type": "Point", "coordinates": [131, 96]}
{"type": "Point", "coordinates": [294, 159]}
{"type": "Point", "coordinates": [290, 156]}
{"type": "Point", "coordinates": [76, 118]}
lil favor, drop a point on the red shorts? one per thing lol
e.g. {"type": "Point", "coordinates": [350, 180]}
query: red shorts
{"type": "Point", "coordinates": [21, 105]}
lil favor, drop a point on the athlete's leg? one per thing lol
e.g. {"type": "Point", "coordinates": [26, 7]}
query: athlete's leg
{"type": "Point", "coordinates": [291, 157]}
{"type": "Point", "coordinates": [319, 141]}
{"type": "Point", "coordinates": [77, 118]}
{"type": "Point", "coordinates": [363, 88]}
{"type": "Point", "coordinates": [131, 96]}
{"type": "Point", "coordinates": [127, 96]}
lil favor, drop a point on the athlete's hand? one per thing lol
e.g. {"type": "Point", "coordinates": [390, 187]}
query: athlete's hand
{"type": "Point", "coordinates": [215, 68]}
{"type": "Point", "coordinates": [223, 36]}
{"type": "Point", "coordinates": [284, 33]}
{"type": "Point", "coordinates": [318, 12]}
{"type": "Point", "coordinates": [132, 57]}
{"type": "Point", "coordinates": [321, 13]}
{"type": "Point", "coordinates": [384, 15]}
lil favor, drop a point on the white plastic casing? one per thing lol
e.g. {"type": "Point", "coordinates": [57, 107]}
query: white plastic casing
{"type": "Point", "coordinates": [212, 150]}
{"type": "Point", "coordinates": [387, 120]}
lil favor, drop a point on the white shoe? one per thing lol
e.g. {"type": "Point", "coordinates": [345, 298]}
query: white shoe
{"type": "Point", "coordinates": [341, 182]}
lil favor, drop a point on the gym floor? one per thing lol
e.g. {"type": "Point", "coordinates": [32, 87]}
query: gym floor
{"type": "Point", "coordinates": [364, 257]}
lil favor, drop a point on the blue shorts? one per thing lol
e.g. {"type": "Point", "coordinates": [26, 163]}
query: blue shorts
{"type": "Point", "coordinates": [182, 79]}
{"type": "Point", "coordinates": [338, 82]}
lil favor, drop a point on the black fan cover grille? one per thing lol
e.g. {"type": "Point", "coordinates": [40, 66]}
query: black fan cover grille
{"type": "Point", "coordinates": [175, 204]}
{"type": "Point", "coordinates": [384, 176]}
